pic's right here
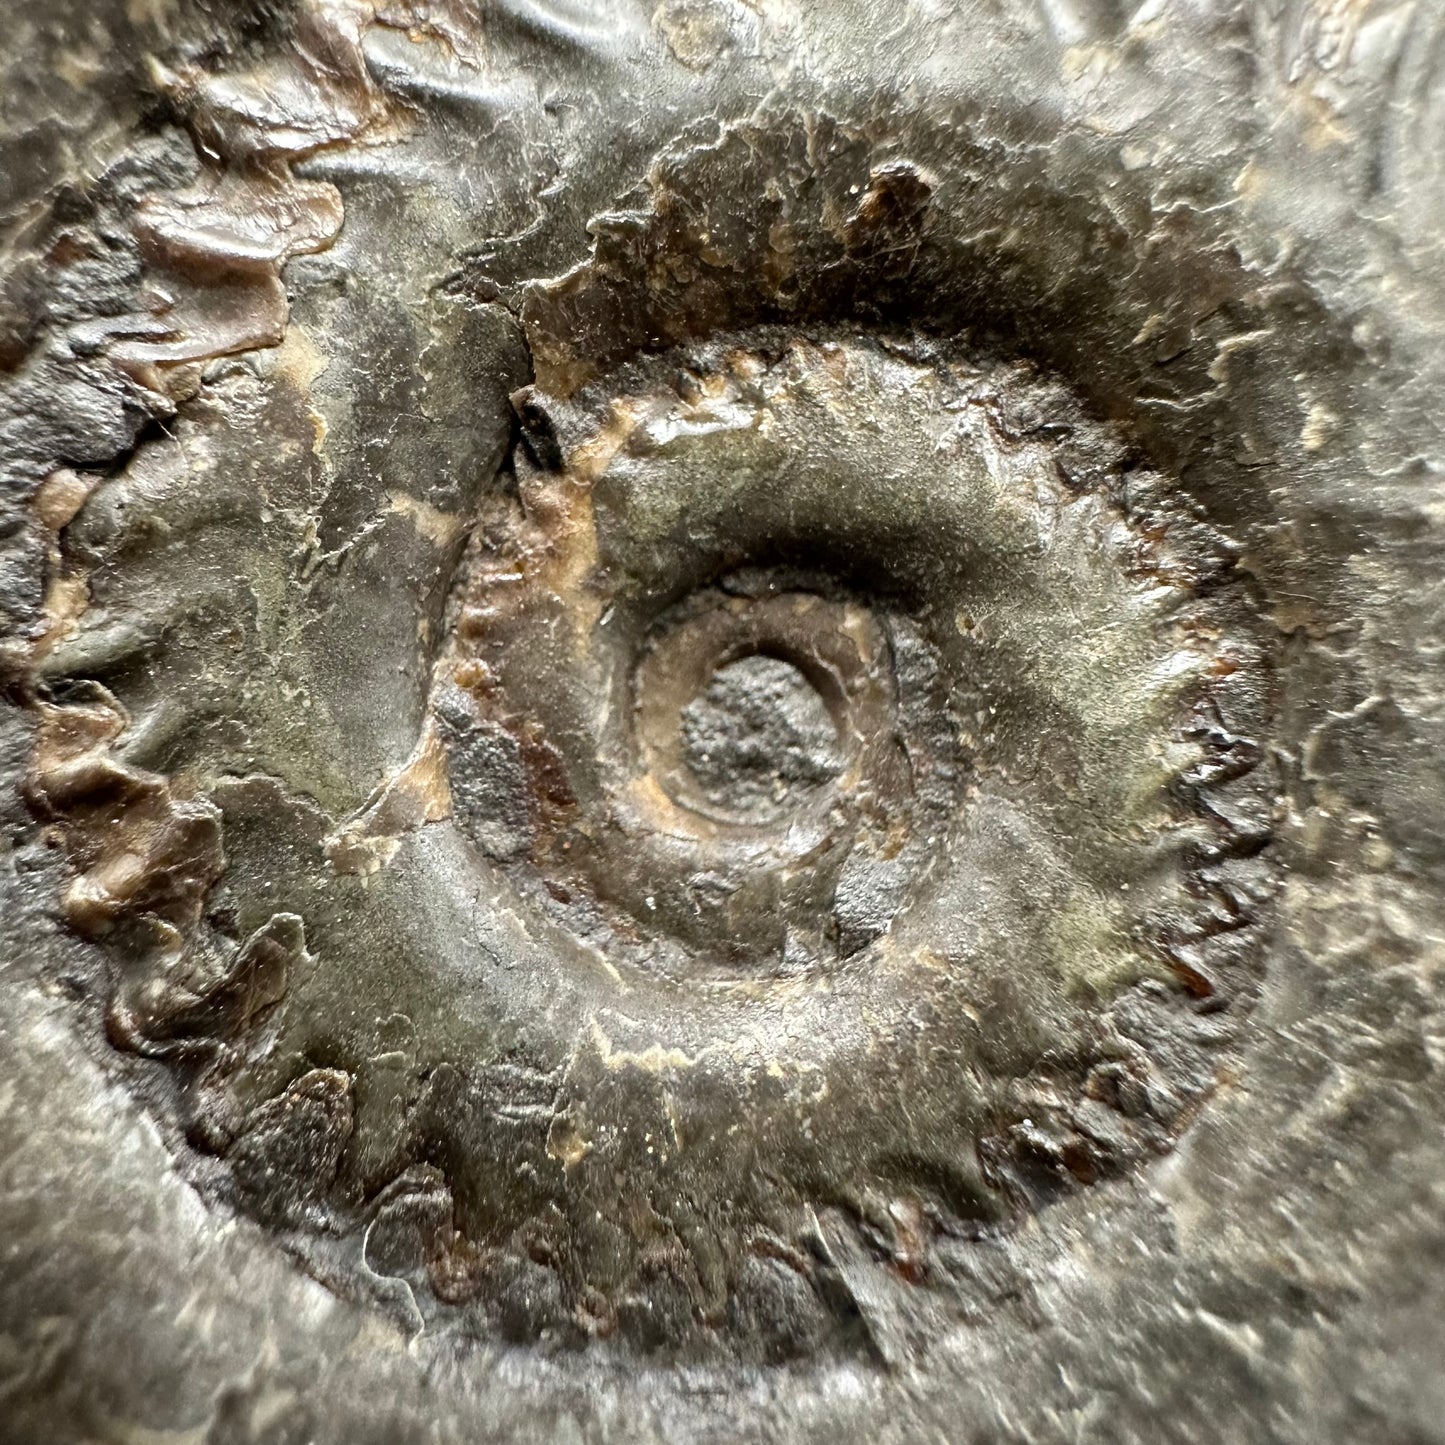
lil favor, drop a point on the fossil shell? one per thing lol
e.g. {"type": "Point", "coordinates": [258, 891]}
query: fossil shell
{"type": "Point", "coordinates": [731, 714]}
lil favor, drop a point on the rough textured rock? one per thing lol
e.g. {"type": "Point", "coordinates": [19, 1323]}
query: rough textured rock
{"type": "Point", "coordinates": [722, 721]}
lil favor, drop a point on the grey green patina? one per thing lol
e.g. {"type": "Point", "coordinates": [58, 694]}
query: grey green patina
{"type": "Point", "coordinates": [752, 758]}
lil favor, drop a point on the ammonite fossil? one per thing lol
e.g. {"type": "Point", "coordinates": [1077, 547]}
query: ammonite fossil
{"type": "Point", "coordinates": [724, 717]}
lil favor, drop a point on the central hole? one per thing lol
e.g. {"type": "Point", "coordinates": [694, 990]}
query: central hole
{"type": "Point", "coordinates": [759, 736]}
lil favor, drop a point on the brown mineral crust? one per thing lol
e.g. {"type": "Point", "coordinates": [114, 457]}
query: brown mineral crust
{"type": "Point", "coordinates": [214, 252]}
{"type": "Point", "coordinates": [140, 851]}
{"type": "Point", "coordinates": [286, 1158]}
{"type": "Point", "coordinates": [213, 255]}
{"type": "Point", "coordinates": [417, 795]}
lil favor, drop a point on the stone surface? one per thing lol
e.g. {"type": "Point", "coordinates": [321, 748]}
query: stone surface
{"type": "Point", "coordinates": [722, 721]}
